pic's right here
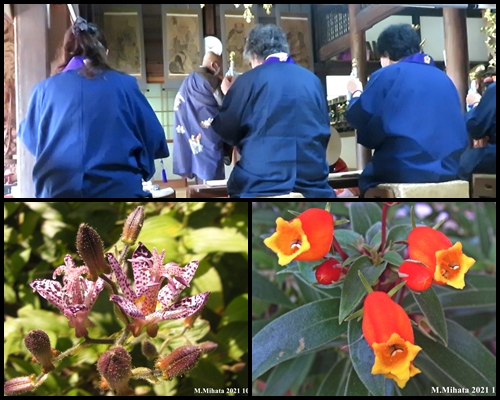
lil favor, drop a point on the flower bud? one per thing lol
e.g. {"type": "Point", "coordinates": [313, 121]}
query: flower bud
{"type": "Point", "coordinates": [149, 350]}
{"type": "Point", "coordinates": [208, 347]}
{"type": "Point", "coordinates": [417, 276]}
{"type": "Point", "coordinates": [38, 343]}
{"type": "Point", "coordinates": [180, 361]}
{"type": "Point", "coordinates": [329, 272]}
{"type": "Point", "coordinates": [133, 226]}
{"type": "Point", "coordinates": [115, 366]}
{"type": "Point", "coordinates": [19, 385]}
{"type": "Point", "coordinates": [91, 250]}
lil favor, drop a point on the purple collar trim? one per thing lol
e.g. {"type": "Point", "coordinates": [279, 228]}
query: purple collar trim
{"type": "Point", "coordinates": [75, 63]}
{"type": "Point", "coordinates": [420, 58]}
{"type": "Point", "coordinates": [285, 58]}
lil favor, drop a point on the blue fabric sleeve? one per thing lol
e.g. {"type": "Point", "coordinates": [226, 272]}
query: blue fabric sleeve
{"type": "Point", "coordinates": [481, 121]}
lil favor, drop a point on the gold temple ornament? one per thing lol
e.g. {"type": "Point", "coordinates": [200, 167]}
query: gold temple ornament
{"type": "Point", "coordinates": [247, 14]}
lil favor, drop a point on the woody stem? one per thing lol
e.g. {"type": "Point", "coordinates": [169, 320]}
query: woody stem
{"type": "Point", "coordinates": [337, 247]}
{"type": "Point", "coordinates": [384, 227]}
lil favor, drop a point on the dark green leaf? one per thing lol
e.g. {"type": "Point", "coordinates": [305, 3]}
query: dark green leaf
{"type": "Point", "coordinates": [433, 312]}
{"type": "Point", "coordinates": [347, 240]}
{"type": "Point", "coordinates": [288, 373]}
{"type": "Point", "coordinates": [479, 291]}
{"type": "Point", "coordinates": [237, 310]}
{"type": "Point", "coordinates": [399, 233]}
{"type": "Point", "coordinates": [353, 291]}
{"type": "Point", "coordinates": [335, 380]}
{"type": "Point", "coordinates": [258, 325]}
{"type": "Point", "coordinates": [363, 216]}
{"type": "Point", "coordinates": [290, 269]}
{"type": "Point", "coordinates": [465, 361]}
{"type": "Point", "coordinates": [393, 258]}
{"type": "Point", "coordinates": [265, 290]}
{"type": "Point", "coordinates": [354, 386]}
{"type": "Point", "coordinates": [372, 232]}
{"type": "Point", "coordinates": [301, 330]}
{"type": "Point", "coordinates": [9, 208]}
{"type": "Point", "coordinates": [362, 358]}
{"type": "Point", "coordinates": [488, 332]}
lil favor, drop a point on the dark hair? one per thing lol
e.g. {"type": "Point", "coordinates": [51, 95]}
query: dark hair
{"type": "Point", "coordinates": [264, 40]}
{"type": "Point", "coordinates": [398, 42]}
{"type": "Point", "coordinates": [86, 40]}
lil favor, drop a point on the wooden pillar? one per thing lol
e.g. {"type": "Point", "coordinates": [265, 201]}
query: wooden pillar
{"type": "Point", "coordinates": [209, 20]}
{"type": "Point", "coordinates": [457, 54]}
{"type": "Point", "coordinates": [358, 51]}
{"type": "Point", "coordinates": [32, 67]}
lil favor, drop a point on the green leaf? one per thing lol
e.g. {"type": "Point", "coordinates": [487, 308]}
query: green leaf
{"type": "Point", "coordinates": [301, 330]}
{"type": "Point", "coordinates": [347, 240]}
{"type": "Point", "coordinates": [354, 385]}
{"type": "Point", "coordinates": [433, 312]}
{"type": "Point", "coordinates": [9, 208]}
{"type": "Point", "coordinates": [265, 290]}
{"type": "Point", "coordinates": [372, 232]}
{"type": "Point", "coordinates": [353, 291]}
{"type": "Point", "coordinates": [363, 216]}
{"type": "Point", "coordinates": [393, 258]}
{"type": "Point", "coordinates": [479, 291]}
{"type": "Point", "coordinates": [234, 337]}
{"type": "Point", "coordinates": [363, 358]}
{"type": "Point", "coordinates": [399, 233]}
{"type": "Point", "coordinates": [210, 240]}
{"type": "Point", "coordinates": [237, 310]}
{"type": "Point", "coordinates": [288, 373]}
{"type": "Point", "coordinates": [465, 361]}
{"type": "Point", "coordinates": [335, 379]}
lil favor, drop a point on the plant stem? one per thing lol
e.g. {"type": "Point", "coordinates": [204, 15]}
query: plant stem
{"type": "Point", "coordinates": [384, 227]}
{"type": "Point", "coordinates": [337, 247]}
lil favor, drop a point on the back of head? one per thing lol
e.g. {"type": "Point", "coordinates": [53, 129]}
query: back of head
{"type": "Point", "coordinates": [398, 42]}
{"type": "Point", "coordinates": [210, 58]}
{"type": "Point", "coordinates": [264, 40]}
{"type": "Point", "coordinates": [86, 40]}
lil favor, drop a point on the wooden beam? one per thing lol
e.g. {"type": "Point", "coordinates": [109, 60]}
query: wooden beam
{"type": "Point", "coordinates": [457, 54]}
{"type": "Point", "coordinates": [373, 14]}
{"type": "Point", "coordinates": [365, 19]}
{"type": "Point", "coordinates": [209, 20]}
{"type": "Point", "coordinates": [335, 47]}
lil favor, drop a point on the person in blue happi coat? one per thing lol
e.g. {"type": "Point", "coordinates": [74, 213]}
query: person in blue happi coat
{"type": "Point", "coordinates": [277, 116]}
{"type": "Point", "coordinates": [409, 113]}
{"type": "Point", "coordinates": [481, 124]}
{"type": "Point", "coordinates": [91, 130]}
{"type": "Point", "coordinates": [198, 150]}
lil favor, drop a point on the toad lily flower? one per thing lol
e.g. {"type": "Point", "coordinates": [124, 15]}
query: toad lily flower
{"type": "Point", "coordinates": [149, 304]}
{"type": "Point", "coordinates": [306, 238]}
{"type": "Point", "coordinates": [76, 298]}
{"type": "Point", "coordinates": [446, 262]}
{"type": "Point", "coordinates": [387, 329]}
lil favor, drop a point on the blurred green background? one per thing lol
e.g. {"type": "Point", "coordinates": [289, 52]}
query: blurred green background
{"type": "Point", "coordinates": [39, 235]}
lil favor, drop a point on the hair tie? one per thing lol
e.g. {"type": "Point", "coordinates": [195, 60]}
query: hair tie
{"type": "Point", "coordinates": [81, 25]}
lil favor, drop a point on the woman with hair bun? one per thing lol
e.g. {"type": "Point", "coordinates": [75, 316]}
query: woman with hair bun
{"type": "Point", "coordinates": [91, 130]}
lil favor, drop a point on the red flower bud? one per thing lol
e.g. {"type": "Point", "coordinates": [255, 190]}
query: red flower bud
{"type": "Point", "coordinates": [180, 361]}
{"type": "Point", "coordinates": [19, 385]}
{"type": "Point", "coordinates": [91, 250]}
{"type": "Point", "coordinates": [416, 276]}
{"type": "Point", "coordinates": [115, 366]}
{"type": "Point", "coordinates": [328, 272]}
{"type": "Point", "coordinates": [38, 343]}
{"type": "Point", "coordinates": [306, 238]}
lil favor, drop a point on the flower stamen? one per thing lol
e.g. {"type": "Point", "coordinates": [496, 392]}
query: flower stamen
{"type": "Point", "coordinates": [297, 243]}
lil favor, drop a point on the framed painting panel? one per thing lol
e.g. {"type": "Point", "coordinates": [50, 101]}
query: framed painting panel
{"type": "Point", "coordinates": [124, 36]}
{"type": "Point", "coordinates": [182, 42]}
{"type": "Point", "coordinates": [298, 31]}
{"type": "Point", "coordinates": [235, 31]}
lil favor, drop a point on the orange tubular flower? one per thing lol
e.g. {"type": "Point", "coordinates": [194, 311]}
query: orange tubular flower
{"type": "Point", "coordinates": [445, 261]}
{"type": "Point", "coordinates": [305, 238]}
{"type": "Point", "coordinates": [417, 276]}
{"type": "Point", "coordinates": [387, 329]}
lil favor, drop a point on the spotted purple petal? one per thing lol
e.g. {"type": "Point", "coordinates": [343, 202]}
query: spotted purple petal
{"type": "Point", "coordinates": [49, 290]}
{"type": "Point", "coordinates": [127, 306]}
{"type": "Point", "coordinates": [121, 278]}
{"type": "Point", "coordinates": [142, 266]}
{"type": "Point", "coordinates": [182, 309]}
